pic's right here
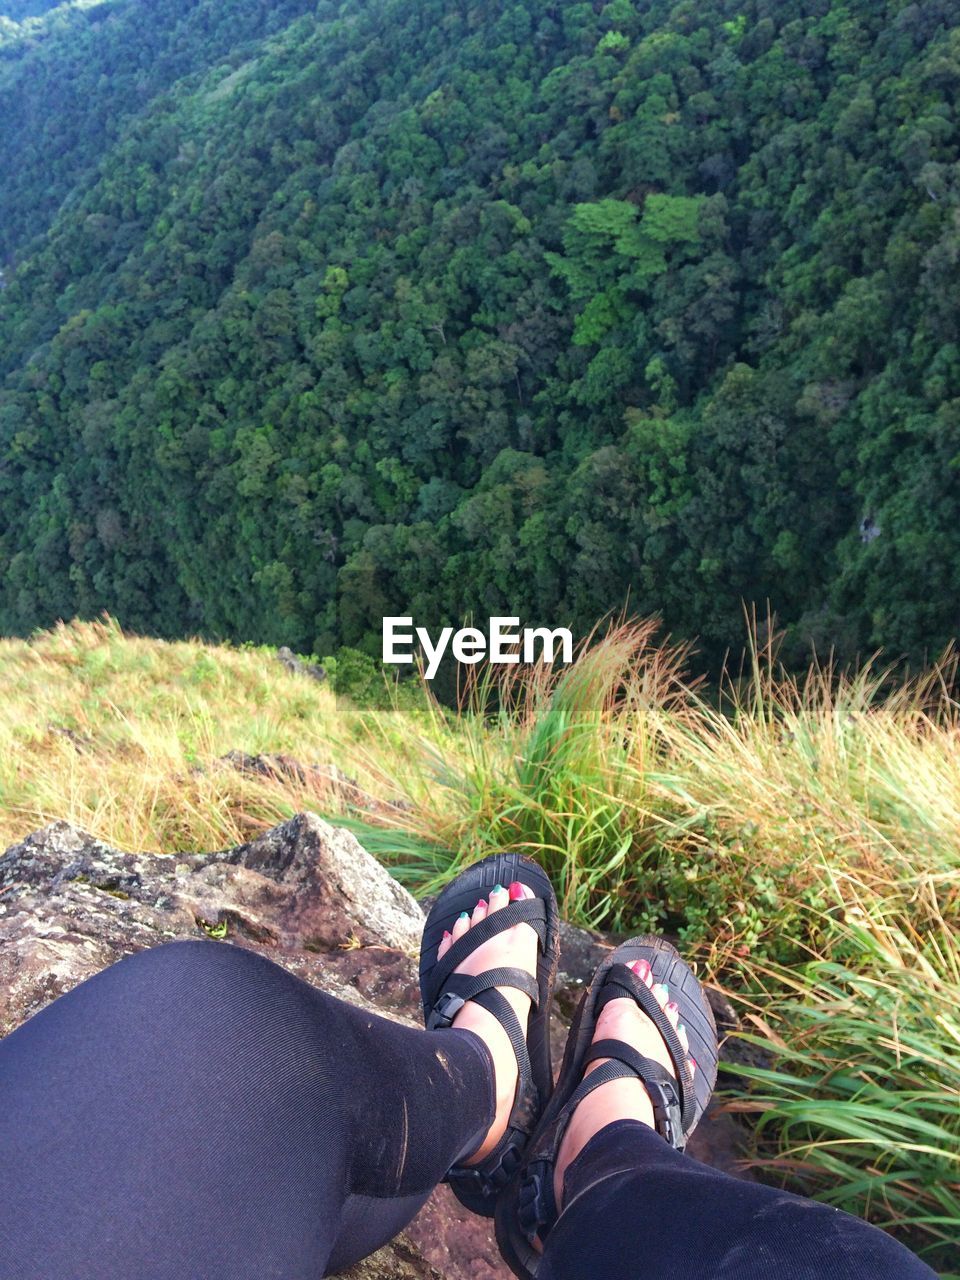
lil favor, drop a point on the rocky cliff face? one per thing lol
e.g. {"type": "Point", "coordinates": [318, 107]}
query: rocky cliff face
{"type": "Point", "coordinates": [307, 895]}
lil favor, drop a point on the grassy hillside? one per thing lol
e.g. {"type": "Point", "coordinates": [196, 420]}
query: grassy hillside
{"type": "Point", "coordinates": [317, 312]}
{"type": "Point", "coordinates": [802, 842]}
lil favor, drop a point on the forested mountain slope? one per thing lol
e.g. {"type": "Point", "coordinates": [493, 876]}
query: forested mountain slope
{"type": "Point", "coordinates": [424, 308]}
{"type": "Point", "coordinates": [70, 85]}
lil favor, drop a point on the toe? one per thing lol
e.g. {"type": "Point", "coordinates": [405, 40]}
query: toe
{"type": "Point", "coordinates": [661, 991]}
{"type": "Point", "coordinates": [460, 925]}
{"type": "Point", "coordinates": [479, 911]}
{"type": "Point", "coordinates": [643, 971]}
{"type": "Point", "coordinates": [685, 1041]}
{"type": "Point", "coordinates": [499, 897]}
{"type": "Point", "coordinates": [672, 1010]}
{"type": "Point", "coordinates": [446, 942]}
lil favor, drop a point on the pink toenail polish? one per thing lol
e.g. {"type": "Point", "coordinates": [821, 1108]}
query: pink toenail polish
{"type": "Point", "coordinates": [641, 968]}
{"type": "Point", "coordinates": [482, 902]}
{"type": "Point", "coordinates": [447, 933]}
{"type": "Point", "coordinates": [516, 891]}
{"type": "Point", "coordinates": [672, 1007]}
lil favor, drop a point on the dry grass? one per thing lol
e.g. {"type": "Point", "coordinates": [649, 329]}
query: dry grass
{"type": "Point", "coordinates": [122, 735]}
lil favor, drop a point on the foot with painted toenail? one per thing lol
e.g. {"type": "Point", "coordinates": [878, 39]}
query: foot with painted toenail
{"type": "Point", "coordinates": [625, 1098]}
{"type": "Point", "coordinates": [513, 948]}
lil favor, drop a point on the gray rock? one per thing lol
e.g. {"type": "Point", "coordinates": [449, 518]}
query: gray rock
{"type": "Point", "coordinates": [70, 905]}
{"type": "Point", "coordinates": [297, 666]}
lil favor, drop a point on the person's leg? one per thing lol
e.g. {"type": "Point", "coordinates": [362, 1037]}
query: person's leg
{"type": "Point", "coordinates": [633, 1206]}
{"type": "Point", "coordinates": [195, 1110]}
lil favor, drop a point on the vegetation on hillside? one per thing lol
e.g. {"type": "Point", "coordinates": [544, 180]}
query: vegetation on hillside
{"type": "Point", "coordinates": [802, 841]}
{"type": "Point", "coordinates": [341, 310]}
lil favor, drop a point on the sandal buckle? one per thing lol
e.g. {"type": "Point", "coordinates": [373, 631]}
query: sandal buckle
{"type": "Point", "coordinates": [503, 1171]}
{"type": "Point", "coordinates": [530, 1208]}
{"type": "Point", "coordinates": [666, 1113]}
{"type": "Point", "coordinates": [444, 1011]}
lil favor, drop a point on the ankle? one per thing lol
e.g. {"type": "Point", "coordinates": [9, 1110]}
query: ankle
{"type": "Point", "coordinates": [486, 1028]}
{"type": "Point", "coordinates": [624, 1099]}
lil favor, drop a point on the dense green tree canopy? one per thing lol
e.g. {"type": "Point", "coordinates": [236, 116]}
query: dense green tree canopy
{"type": "Point", "coordinates": [316, 312]}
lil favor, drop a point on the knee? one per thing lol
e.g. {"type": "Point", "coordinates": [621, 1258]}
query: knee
{"type": "Point", "coordinates": [201, 988]}
{"type": "Point", "coordinates": [188, 967]}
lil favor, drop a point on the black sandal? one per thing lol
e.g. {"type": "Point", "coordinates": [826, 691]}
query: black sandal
{"type": "Point", "coordinates": [527, 1209]}
{"type": "Point", "coordinates": [444, 993]}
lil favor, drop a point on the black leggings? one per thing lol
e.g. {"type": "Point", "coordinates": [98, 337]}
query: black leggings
{"type": "Point", "coordinates": [195, 1111]}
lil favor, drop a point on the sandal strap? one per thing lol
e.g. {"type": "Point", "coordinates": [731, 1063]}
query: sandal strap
{"type": "Point", "coordinates": [531, 911]}
{"type": "Point", "coordinates": [657, 1080]}
{"type": "Point", "coordinates": [622, 982]}
{"type": "Point", "coordinates": [603, 1075]}
{"type": "Point", "coordinates": [501, 1008]}
{"type": "Point", "coordinates": [482, 990]}
{"type": "Point", "coordinates": [496, 1169]}
{"type": "Point", "coordinates": [461, 987]}
{"type": "Point", "coordinates": [623, 1052]}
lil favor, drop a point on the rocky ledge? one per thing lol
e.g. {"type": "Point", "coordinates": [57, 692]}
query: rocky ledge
{"type": "Point", "coordinates": [306, 894]}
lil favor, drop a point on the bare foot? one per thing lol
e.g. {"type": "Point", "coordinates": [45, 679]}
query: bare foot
{"type": "Point", "coordinates": [627, 1098]}
{"type": "Point", "coordinates": [513, 948]}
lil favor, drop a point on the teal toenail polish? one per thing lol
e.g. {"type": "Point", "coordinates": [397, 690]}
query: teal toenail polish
{"type": "Point", "coordinates": [661, 986]}
{"type": "Point", "coordinates": [498, 888]}
{"type": "Point", "coordinates": [463, 916]}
